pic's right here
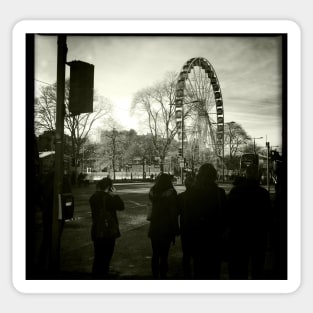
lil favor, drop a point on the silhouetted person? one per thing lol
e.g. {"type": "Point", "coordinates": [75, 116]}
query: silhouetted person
{"type": "Point", "coordinates": [204, 225]}
{"type": "Point", "coordinates": [105, 228]}
{"type": "Point", "coordinates": [248, 220]}
{"type": "Point", "coordinates": [183, 222]}
{"type": "Point", "coordinates": [163, 223]}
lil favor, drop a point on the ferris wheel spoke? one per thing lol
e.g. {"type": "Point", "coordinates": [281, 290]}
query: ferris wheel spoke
{"type": "Point", "coordinates": [195, 76]}
{"type": "Point", "coordinates": [191, 93]}
{"type": "Point", "coordinates": [198, 82]}
{"type": "Point", "coordinates": [203, 79]}
{"type": "Point", "coordinates": [191, 89]}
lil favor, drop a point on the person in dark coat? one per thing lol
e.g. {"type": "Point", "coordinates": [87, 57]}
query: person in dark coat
{"type": "Point", "coordinates": [204, 224]}
{"type": "Point", "coordinates": [248, 219]}
{"type": "Point", "coordinates": [163, 223]}
{"type": "Point", "coordinates": [105, 228]}
{"type": "Point", "coordinates": [183, 224]}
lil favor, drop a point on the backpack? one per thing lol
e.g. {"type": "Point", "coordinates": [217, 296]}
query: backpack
{"type": "Point", "coordinates": [105, 225]}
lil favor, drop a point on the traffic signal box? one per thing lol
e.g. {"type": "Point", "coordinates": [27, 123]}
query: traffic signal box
{"type": "Point", "coordinates": [81, 87]}
{"type": "Point", "coordinates": [180, 152]}
{"type": "Point", "coordinates": [275, 156]}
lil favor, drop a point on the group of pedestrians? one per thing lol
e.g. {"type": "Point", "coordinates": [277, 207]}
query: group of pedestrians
{"type": "Point", "coordinates": [212, 226]}
{"type": "Point", "coordinates": [197, 215]}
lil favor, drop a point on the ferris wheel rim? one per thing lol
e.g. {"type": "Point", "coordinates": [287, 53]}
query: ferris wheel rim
{"type": "Point", "coordinates": [180, 102]}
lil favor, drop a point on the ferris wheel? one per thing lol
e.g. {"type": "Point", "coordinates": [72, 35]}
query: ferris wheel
{"type": "Point", "coordinates": [199, 113]}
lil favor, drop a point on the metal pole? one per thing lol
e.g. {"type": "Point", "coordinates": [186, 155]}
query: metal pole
{"type": "Point", "coordinates": [267, 166]}
{"type": "Point", "coordinates": [182, 146]}
{"type": "Point", "coordinates": [223, 167]}
{"type": "Point", "coordinates": [254, 143]}
{"type": "Point", "coordinates": [59, 134]}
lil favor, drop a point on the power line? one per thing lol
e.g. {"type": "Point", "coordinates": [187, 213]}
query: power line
{"type": "Point", "coordinates": [37, 80]}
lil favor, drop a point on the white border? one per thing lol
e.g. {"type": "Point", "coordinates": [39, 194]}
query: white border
{"type": "Point", "coordinates": [150, 27]}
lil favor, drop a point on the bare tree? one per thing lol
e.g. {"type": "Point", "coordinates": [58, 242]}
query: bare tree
{"type": "Point", "coordinates": [114, 144]}
{"type": "Point", "coordinates": [158, 104]}
{"type": "Point", "coordinates": [236, 140]}
{"type": "Point", "coordinates": [80, 125]}
{"type": "Point", "coordinates": [77, 126]}
{"type": "Point", "coordinates": [142, 147]}
{"type": "Point", "coordinates": [45, 109]}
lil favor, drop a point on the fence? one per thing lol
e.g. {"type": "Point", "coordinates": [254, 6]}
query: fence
{"type": "Point", "coordinates": [123, 175]}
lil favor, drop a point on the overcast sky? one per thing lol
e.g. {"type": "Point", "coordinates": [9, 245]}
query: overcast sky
{"type": "Point", "coordinates": [248, 69]}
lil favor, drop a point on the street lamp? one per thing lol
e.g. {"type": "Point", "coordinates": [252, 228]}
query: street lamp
{"type": "Point", "coordinates": [230, 136]}
{"type": "Point", "coordinates": [254, 143]}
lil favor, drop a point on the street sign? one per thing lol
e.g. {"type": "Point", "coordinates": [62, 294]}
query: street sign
{"type": "Point", "coordinates": [181, 164]}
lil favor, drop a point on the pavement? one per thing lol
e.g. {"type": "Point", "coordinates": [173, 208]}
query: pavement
{"type": "Point", "coordinates": [131, 259]}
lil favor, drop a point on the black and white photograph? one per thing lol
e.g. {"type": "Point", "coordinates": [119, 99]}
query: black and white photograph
{"type": "Point", "coordinates": [158, 157]}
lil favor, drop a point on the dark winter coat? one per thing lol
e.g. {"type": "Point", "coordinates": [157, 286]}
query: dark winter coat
{"type": "Point", "coordinates": [164, 216]}
{"type": "Point", "coordinates": [202, 214]}
{"type": "Point", "coordinates": [102, 201]}
{"type": "Point", "coordinates": [248, 214]}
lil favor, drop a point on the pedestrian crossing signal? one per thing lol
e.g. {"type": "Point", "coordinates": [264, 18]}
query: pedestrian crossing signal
{"type": "Point", "coordinates": [180, 152]}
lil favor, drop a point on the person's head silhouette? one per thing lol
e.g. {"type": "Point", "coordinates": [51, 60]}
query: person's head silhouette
{"type": "Point", "coordinates": [105, 183]}
{"type": "Point", "coordinates": [188, 181]}
{"type": "Point", "coordinates": [252, 174]}
{"type": "Point", "coordinates": [207, 175]}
